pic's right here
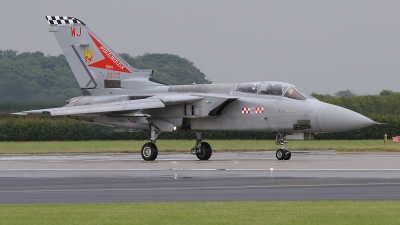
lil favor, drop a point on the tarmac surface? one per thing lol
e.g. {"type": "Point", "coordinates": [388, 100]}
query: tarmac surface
{"type": "Point", "coordinates": [228, 176]}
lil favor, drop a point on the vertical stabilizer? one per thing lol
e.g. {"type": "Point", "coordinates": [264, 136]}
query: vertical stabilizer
{"type": "Point", "coordinates": [93, 63]}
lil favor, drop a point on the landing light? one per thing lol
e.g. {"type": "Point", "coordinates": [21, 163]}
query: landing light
{"type": "Point", "coordinates": [175, 128]}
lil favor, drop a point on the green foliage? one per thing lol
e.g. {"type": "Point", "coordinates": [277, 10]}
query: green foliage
{"type": "Point", "coordinates": [243, 213]}
{"type": "Point", "coordinates": [34, 81]}
{"type": "Point", "coordinates": [15, 128]}
{"type": "Point", "coordinates": [10, 106]}
{"type": "Point", "coordinates": [380, 108]}
{"type": "Point", "coordinates": [346, 93]}
{"type": "Point", "coordinates": [386, 92]}
{"type": "Point", "coordinates": [173, 145]}
{"type": "Point", "coordinates": [368, 105]}
{"type": "Point", "coordinates": [170, 69]}
{"type": "Point", "coordinates": [321, 96]}
{"type": "Point", "coordinates": [33, 76]}
{"type": "Point", "coordinates": [383, 108]}
{"type": "Point", "coordinates": [54, 129]}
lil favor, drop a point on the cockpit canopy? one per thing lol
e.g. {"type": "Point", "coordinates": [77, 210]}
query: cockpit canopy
{"type": "Point", "coordinates": [72, 100]}
{"type": "Point", "coordinates": [274, 88]}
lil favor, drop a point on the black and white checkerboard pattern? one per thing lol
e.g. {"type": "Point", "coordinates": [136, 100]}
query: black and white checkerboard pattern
{"type": "Point", "coordinates": [63, 20]}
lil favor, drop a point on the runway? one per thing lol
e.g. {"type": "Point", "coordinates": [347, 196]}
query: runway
{"type": "Point", "coordinates": [230, 176]}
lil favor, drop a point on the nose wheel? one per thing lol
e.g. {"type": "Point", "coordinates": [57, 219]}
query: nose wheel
{"type": "Point", "coordinates": [202, 150]}
{"type": "Point", "coordinates": [149, 150]}
{"type": "Point", "coordinates": [284, 153]}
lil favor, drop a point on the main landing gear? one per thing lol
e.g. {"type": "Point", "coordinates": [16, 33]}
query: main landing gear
{"type": "Point", "coordinates": [283, 153]}
{"type": "Point", "coordinates": [149, 151]}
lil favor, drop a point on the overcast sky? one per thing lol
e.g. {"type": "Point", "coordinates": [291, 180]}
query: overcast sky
{"type": "Point", "coordinates": [320, 46]}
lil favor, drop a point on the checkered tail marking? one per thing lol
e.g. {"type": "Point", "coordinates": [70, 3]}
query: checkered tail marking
{"type": "Point", "coordinates": [63, 20]}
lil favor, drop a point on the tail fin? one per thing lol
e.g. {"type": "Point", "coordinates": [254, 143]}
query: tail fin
{"type": "Point", "coordinates": [93, 63]}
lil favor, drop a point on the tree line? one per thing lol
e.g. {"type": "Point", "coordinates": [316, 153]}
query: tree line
{"type": "Point", "coordinates": [28, 79]}
{"type": "Point", "coordinates": [63, 129]}
{"type": "Point", "coordinates": [386, 103]}
{"type": "Point", "coordinates": [33, 77]}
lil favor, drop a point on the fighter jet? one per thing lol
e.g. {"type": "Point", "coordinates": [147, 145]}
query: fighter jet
{"type": "Point", "coordinates": [130, 100]}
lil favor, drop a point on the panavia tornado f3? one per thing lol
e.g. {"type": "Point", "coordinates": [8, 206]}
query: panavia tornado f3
{"type": "Point", "coordinates": [128, 99]}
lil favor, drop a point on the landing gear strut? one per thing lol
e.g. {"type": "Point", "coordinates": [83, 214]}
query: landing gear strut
{"type": "Point", "coordinates": [201, 149]}
{"type": "Point", "coordinates": [283, 153]}
{"type": "Point", "coordinates": [150, 150]}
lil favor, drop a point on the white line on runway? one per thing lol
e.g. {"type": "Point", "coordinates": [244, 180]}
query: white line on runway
{"type": "Point", "coordinates": [200, 188]}
{"type": "Point", "coordinates": [269, 170]}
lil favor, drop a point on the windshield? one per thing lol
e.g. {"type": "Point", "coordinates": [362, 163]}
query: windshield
{"type": "Point", "coordinates": [294, 94]}
{"type": "Point", "coordinates": [304, 93]}
{"type": "Point", "coordinates": [273, 88]}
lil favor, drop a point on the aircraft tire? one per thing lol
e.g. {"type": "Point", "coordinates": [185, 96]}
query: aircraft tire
{"type": "Point", "coordinates": [288, 155]}
{"type": "Point", "coordinates": [280, 154]}
{"type": "Point", "coordinates": [206, 151]}
{"type": "Point", "coordinates": [149, 151]}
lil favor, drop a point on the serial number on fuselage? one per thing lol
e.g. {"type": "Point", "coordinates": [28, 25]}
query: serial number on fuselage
{"type": "Point", "coordinates": [113, 75]}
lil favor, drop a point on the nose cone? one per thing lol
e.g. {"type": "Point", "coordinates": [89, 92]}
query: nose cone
{"type": "Point", "coordinates": [332, 118]}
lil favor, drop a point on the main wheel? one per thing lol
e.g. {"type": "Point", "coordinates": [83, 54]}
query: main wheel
{"type": "Point", "coordinates": [288, 154]}
{"type": "Point", "coordinates": [280, 154]}
{"type": "Point", "coordinates": [149, 151]}
{"type": "Point", "coordinates": [205, 151]}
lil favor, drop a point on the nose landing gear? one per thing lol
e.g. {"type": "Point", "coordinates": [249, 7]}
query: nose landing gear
{"type": "Point", "coordinates": [284, 153]}
{"type": "Point", "coordinates": [150, 150]}
{"type": "Point", "coordinates": [202, 150]}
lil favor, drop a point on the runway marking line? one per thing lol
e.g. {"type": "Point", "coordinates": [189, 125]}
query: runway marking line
{"type": "Point", "coordinates": [218, 169]}
{"type": "Point", "coordinates": [201, 188]}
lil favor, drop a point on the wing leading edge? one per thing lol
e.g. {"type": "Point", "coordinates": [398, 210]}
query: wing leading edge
{"type": "Point", "coordinates": [103, 108]}
{"type": "Point", "coordinates": [95, 109]}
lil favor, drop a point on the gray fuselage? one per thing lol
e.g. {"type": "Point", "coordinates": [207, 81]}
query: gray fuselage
{"type": "Point", "coordinates": [255, 106]}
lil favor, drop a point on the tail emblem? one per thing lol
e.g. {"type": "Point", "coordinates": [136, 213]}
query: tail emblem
{"type": "Point", "coordinates": [88, 55]}
{"type": "Point", "coordinates": [110, 62]}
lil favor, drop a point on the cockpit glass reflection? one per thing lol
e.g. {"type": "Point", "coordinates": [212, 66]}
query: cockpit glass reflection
{"type": "Point", "coordinates": [247, 87]}
{"type": "Point", "coordinates": [304, 93]}
{"type": "Point", "coordinates": [294, 94]}
{"type": "Point", "coordinates": [270, 89]}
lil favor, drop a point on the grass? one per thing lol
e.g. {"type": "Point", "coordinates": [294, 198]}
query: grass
{"type": "Point", "coordinates": [313, 212]}
{"type": "Point", "coordinates": [185, 145]}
